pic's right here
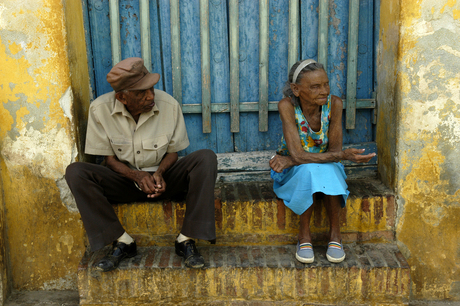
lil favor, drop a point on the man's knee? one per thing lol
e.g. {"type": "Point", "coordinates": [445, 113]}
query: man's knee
{"type": "Point", "coordinates": [74, 171]}
{"type": "Point", "coordinates": [207, 158]}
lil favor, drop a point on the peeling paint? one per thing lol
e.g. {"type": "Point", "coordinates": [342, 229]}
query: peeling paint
{"type": "Point", "coordinates": [335, 21]}
{"type": "Point", "coordinates": [37, 142]}
{"type": "Point", "coordinates": [46, 155]}
{"type": "Point", "coordinates": [63, 283]}
{"type": "Point", "coordinates": [428, 146]}
{"type": "Point", "coordinates": [67, 197]}
{"type": "Point", "coordinates": [418, 137]}
{"type": "Point", "coordinates": [66, 102]}
{"type": "Point", "coordinates": [433, 215]}
{"type": "Point", "coordinates": [66, 240]}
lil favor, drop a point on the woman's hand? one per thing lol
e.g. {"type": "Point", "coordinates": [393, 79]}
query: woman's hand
{"type": "Point", "coordinates": [355, 155]}
{"type": "Point", "coordinates": [278, 163]}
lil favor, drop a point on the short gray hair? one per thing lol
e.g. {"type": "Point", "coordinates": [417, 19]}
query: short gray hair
{"type": "Point", "coordinates": [287, 91]}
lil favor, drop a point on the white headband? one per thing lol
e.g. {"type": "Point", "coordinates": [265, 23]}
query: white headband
{"type": "Point", "coordinates": [302, 65]}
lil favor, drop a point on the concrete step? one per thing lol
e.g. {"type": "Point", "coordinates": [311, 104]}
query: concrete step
{"type": "Point", "coordinates": [372, 274]}
{"type": "Point", "coordinates": [250, 214]}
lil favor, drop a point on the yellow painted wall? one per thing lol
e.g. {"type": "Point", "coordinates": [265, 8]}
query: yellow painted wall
{"type": "Point", "coordinates": [45, 236]}
{"type": "Point", "coordinates": [44, 84]}
{"type": "Point", "coordinates": [420, 157]}
{"type": "Point", "coordinates": [5, 285]}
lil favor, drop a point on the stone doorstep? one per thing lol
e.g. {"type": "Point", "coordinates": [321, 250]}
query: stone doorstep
{"type": "Point", "coordinates": [249, 213]}
{"type": "Point", "coordinates": [372, 274]}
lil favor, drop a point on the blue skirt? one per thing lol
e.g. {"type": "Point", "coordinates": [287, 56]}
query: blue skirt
{"type": "Point", "coordinates": [296, 185]}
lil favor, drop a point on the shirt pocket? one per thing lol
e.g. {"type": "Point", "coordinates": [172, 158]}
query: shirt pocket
{"type": "Point", "coordinates": [155, 149]}
{"type": "Point", "coordinates": [123, 148]}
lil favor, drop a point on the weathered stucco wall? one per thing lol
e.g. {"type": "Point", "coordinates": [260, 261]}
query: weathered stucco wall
{"type": "Point", "coordinates": [425, 105]}
{"type": "Point", "coordinates": [44, 83]}
{"type": "Point", "coordinates": [387, 60]}
{"type": "Point", "coordinates": [5, 285]}
{"type": "Point", "coordinates": [37, 142]}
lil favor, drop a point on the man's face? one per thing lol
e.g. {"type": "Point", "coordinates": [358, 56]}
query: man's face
{"type": "Point", "coordinates": [137, 101]}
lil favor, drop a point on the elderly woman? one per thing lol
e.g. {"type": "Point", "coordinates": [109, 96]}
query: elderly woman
{"type": "Point", "coordinates": [306, 165]}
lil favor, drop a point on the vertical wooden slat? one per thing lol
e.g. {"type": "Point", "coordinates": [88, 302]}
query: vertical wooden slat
{"type": "Point", "coordinates": [293, 51]}
{"type": "Point", "coordinates": [263, 65]}
{"type": "Point", "coordinates": [146, 49]}
{"type": "Point", "coordinates": [205, 66]}
{"type": "Point", "coordinates": [234, 25]}
{"type": "Point", "coordinates": [89, 49]}
{"type": "Point", "coordinates": [376, 23]}
{"type": "Point", "coordinates": [220, 74]}
{"type": "Point", "coordinates": [164, 43]}
{"type": "Point", "coordinates": [155, 42]}
{"type": "Point", "coordinates": [309, 21]}
{"type": "Point", "coordinates": [352, 63]}
{"type": "Point", "coordinates": [248, 137]}
{"type": "Point", "coordinates": [175, 51]}
{"type": "Point", "coordinates": [323, 32]}
{"type": "Point", "coordinates": [115, 31]}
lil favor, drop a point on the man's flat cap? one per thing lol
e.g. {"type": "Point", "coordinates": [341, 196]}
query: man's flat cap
{"type": "Point", "coordinates": [131, 74]}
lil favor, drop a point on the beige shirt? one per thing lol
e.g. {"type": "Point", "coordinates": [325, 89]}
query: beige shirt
{"type": "Point", "coordinates": [113, 131]}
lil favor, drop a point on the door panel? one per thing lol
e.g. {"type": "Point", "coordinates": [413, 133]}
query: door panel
{"type": "Point", "coordinates": [249, 138]}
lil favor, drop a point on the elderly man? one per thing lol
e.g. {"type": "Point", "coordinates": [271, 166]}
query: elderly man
{"type": "Point", "coordinates": [139, 130]}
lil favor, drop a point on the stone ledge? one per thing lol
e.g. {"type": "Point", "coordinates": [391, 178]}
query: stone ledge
{"type": "Point", "coordinates": [249, 213]}
{"type": "Point", "coordinates": [371, 274]}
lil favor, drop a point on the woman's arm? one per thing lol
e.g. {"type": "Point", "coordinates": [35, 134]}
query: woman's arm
{"type": "Point", "coordinates": [336, 139]}
{"type": "Point", "coordinates": [298, 154]}
{"type": "Point", "coordinates": [335, 126]}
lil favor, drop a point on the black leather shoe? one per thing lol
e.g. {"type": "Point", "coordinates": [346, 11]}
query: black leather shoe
{"type": "Point", "coordinates": [119, 252]}
{"type": "Point", "coordinates": [188, 250]}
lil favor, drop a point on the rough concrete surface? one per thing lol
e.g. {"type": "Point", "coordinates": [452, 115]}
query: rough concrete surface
{"type": "Point", "coordinates": [71, 298]}
{"type": "Point", "coordinates": [42, 298]}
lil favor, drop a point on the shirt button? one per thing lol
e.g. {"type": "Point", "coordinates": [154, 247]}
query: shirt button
{"type": "Point", "coordinates": [155, 146]}
{"type": "Point", "coordinates": [138, 152]}
{"type": "Point", "coordinates": [119, 150]}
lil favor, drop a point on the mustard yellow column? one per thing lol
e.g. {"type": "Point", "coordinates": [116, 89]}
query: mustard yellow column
{"type": "Point", "coordinates": [44, 234]}
{"type": "Point", "coordinates": [423, 161]}
{"type": "Point", "coordinates": [5, 284]}
{"type": "Point", "coordinates": [386, 90]}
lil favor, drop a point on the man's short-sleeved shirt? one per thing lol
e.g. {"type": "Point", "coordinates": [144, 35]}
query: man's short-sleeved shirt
{"type": "Point", "coordinates": [142, 145]}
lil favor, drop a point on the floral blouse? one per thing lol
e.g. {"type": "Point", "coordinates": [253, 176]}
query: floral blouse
{"type": "Point", "coordinates": [313, 142]}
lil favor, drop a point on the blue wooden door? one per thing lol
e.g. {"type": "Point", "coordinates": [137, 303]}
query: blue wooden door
{"type": "Point", "coordinates": [193, 73]}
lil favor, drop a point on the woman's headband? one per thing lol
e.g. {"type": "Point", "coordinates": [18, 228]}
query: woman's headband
{"type": "Point", "coordinates": [302, 65]}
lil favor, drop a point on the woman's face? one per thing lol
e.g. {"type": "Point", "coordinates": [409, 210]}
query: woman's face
{"type": "Point", "coordinates": [313, 88]}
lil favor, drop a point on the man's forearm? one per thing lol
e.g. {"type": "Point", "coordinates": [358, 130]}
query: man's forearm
{"type": "Point", "coordinates": [121, 168]}
{"type": "Point", "coordinates": [168, 160]}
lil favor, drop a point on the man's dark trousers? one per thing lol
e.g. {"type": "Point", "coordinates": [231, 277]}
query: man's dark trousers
{"type": "Point", "coordinates": [97, 187]}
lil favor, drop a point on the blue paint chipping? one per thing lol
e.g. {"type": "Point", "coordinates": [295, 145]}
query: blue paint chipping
{"type": "Point", "coordinates": [309, 29]}
{"type": "Point", "coordinates": [249, 138]}
{"type": "Point", "coordinates": [364, 128]}
{"type": "Point", "coordinates": [155, 40]}
{"type": "Point", "coordinates": [130, 30]}
{"type": "Point", "coordinates": [165, 45]}
{"type": "Point", "coordinates": [220, 73]}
